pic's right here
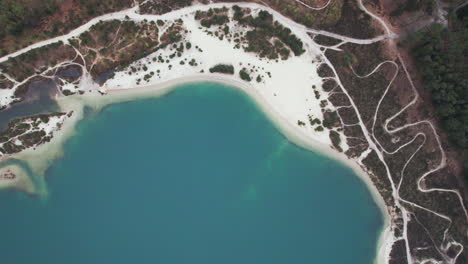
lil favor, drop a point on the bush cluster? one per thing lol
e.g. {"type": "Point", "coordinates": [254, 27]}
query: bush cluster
{"type": "Point", "coordinates": [245, 75]}
{"type": "Point", "coordinates": [223, 68]}
{"type": "Point", "coordinates": [265, 28]}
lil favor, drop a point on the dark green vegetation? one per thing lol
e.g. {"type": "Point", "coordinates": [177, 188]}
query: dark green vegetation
{"type": "Point", "coordinates": [215, 20]}
{"type": "Point", "coordinates": [24, 22]}
{"type": "Point", "coordinates": [266, 29]}
{"type": "Point", "coordinates": [349, 59]}
{"type": "Point", "coordinates": [222, 68]}
{"type": "Point", "coordinates": [331, 119]}
{"type": "Point", "coordinates": [26, 132]}
{"type": "Point", "coordinates": [339, 16]}
{"type": "Point", "coordinates": [132, 42]}
{"type": "Point", "coordinates": [216, 16]}
{"type": "Point", "coordinates": [462, 13]}
{"type": "Point", "coordinates": [441, 55]}
{"type": "Point", "coordinates": [244, 75]}
{"type": "Point", "coordinates": [268, 38]}
{"type": "Point", "coordinates": [303, 15]}
{"type": "Point", "coordinates": [352, 22]}
{"type": "Point", "coordinates": [414, 5]}
{"type": "Point", "coordinates": [119, 43]}
{"type": "Point", "coordinates": [37, 60]}
{"type": "Point", "coordinates": [106, 46]}
{"type": "Point", "coordinates": [16, 15]}
{"type": "Point", "coordinates": [162, 6]}
{"type": "Point", "coordinates": [336, 140]}
{"type": "Point", "coordinates": [314, 121]}
{"type": "Point", "coordinates": [56, 17]}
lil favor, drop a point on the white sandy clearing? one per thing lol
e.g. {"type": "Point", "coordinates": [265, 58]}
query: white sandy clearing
{"type": "Point", "coordinates": [52, 125]}
{"type": "Point", "coordinates": [6, 97]}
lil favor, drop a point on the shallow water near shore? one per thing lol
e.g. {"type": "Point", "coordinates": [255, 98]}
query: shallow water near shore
{"type": "Point", "coordinates": [199, 175]}
{"type": "Point", "coordinates": [39, 94]}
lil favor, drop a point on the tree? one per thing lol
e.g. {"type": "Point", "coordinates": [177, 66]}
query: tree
{"type": "Point", "coordinates": [12, 14]}
{"type": "Point", "coordinates": [244, 75]}
{"type": "Point", "coordinates": [441, 55]}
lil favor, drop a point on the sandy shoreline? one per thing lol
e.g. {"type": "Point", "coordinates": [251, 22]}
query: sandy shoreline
{"type": "Point", "coordinates": [40, 158]}
{"type": "Point", "coordinates": [292, 133]}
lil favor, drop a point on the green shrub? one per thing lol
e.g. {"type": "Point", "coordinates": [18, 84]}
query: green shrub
{"type": "Point", "coordinates": [215, 20]}
{"type": "Point", "coordinates": [336, 140]}
{"type": "Point", "coordinates": [222, 68]}
{"type": "Point", "coordinates": [244, 75]}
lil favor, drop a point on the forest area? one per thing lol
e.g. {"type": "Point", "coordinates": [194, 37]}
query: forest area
{"type": "Point", "coordinates": [24, 22]}
{"type": "Point", "coordinates": [441, 55]}
{"type": "Point", "coordinates": [15, 16]}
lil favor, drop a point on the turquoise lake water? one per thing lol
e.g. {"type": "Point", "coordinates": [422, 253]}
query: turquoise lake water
{"type": "Point", "coordinates": [197, 176]}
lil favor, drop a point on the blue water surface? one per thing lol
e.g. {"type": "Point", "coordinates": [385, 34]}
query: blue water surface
{"type": "Point", "coordinates": [197, 176]}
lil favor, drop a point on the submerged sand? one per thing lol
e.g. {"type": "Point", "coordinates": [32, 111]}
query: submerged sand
{"type": "Point", "coordinates": [40, 158]}
{"type": "Point", "coordinates": [13, 176]}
